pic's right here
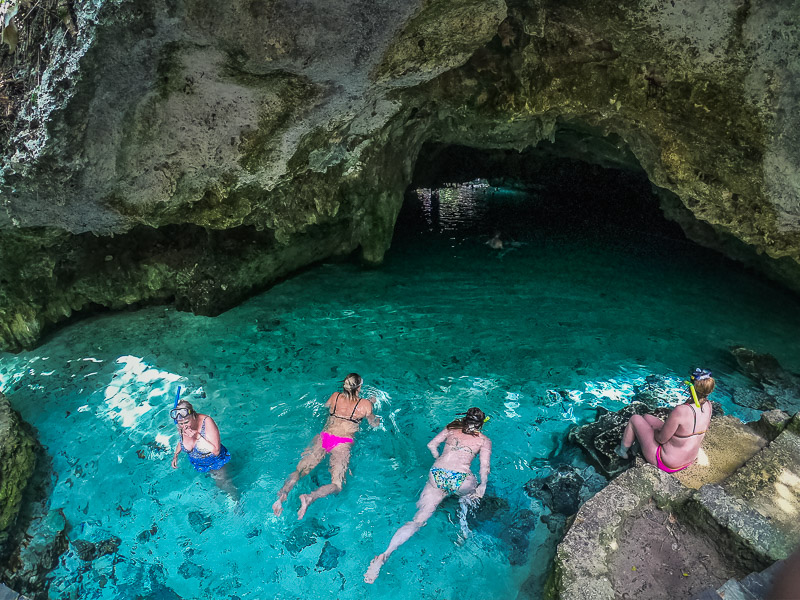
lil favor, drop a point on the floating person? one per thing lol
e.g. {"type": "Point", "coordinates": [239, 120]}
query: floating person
{"type": "Point", "coordinates": [496, 242]}
{"type": "Point", "coordinates": [673, 445]}
{"type": "Point", "coordinates": [200, 440]}
{"type": "Point", "coordinates": [346, 411]}
{"type": "Point", "coordinates": [450, 474]}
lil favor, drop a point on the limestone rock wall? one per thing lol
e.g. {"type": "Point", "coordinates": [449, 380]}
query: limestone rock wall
{"type": "Point", "coordinates": [195, 151]}
{"type": "Point", "coordinates": [17, 462]}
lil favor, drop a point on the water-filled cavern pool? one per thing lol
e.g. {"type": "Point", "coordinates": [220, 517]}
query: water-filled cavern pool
{"type": "Point", "coordinates": [538, 335]}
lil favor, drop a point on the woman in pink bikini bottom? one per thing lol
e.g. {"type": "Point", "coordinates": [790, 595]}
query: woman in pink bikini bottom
{"type": "Point", "coordinates": [673, 445]}
{"type": "Point", "coordinates": [346, 410]}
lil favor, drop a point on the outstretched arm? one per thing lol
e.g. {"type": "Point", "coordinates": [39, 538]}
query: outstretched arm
{"type": "Point", "coordinates": [485, 458]}
{"type": "Point", "coordinates": [175, 456]}
{"type": "Point", "coordinates": [433, 445]}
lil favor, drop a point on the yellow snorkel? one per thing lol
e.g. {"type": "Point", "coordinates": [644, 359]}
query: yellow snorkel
{"type": "Point", "coordinates": [697, 375]}
{"type": "Point", "coordinates": [694, 393]}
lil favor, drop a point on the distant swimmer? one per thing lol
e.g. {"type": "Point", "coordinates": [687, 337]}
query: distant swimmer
{"type": "Point", "coordinates": [346, 410]}
{"type": "Point", "coordinates": [451, 474]}
{"type": "Point", "coordinates": [200, 440]}
{"type": "Point", "coordinates": [496, 243]}
{"type": "Point", "coordinates": [674, 445]}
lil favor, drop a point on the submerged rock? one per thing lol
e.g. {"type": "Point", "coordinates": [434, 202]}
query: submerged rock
{"type": "Point", "coordinates": [779, 388]}
{"type": "Point", "coordinates": [198, 521]}
{"type": "Point", "coordinates": [566, 488]}
{"type": "Point", "coordinates": [307, 534]}
{"type": "Point", "coordinates": [329, 557]}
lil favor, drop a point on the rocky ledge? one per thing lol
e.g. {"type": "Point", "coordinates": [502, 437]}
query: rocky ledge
{"type": "Point", "coordinates": [716, 525]}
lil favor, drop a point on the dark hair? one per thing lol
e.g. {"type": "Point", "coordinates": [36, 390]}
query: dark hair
{"type": "Point", "coordinates": [471, 422]}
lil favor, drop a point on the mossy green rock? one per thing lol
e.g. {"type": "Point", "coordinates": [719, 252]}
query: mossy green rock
{"type": "Point", "coordinates": [17, 461]}
{"type": "Point", "coordinates": [196, 151]}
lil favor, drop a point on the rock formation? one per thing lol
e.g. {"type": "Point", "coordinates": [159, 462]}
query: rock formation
{"type": "Point", "coordinates": [195, 151]}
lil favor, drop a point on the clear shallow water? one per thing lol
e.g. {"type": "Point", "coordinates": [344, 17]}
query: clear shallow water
{"type": "Point", "coordinates": [538, 335]}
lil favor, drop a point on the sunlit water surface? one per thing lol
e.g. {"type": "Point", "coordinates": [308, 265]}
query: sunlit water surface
{"type": "Point", "coordinates": [539, 335]}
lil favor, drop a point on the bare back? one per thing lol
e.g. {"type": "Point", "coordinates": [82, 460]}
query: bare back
{"type": "Point", "coordinates": [683, 433]}
{"type": "Point", "coordinates": [345, 415]}
{"type": "Point", "coordinates": [459, 449]}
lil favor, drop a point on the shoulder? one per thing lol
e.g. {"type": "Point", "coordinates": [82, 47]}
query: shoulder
{"type": "Point", "coordinates": [682, 410]}
{"type": "Point", "coordinates": [487, 443]}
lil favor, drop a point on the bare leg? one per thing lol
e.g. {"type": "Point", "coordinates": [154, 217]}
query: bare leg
{"type": "Point", "coordinates": [465, 502]}
{"type": "Point", "coordinates": [224, 482]}
{"type": "Point", "coordinates": [312, 456]}
{"type": "Point", "coordinates": [430, 498]}
{"type": "Point", "coordinates": [641, 429]}
{"type": "Point", "coordinates": [340, 458]}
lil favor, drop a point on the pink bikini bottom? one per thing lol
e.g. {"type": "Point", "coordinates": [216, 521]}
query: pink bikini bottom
{"type": "Point", "coordinates": [664, 467]}
{"type": "Point", "coordinates": [330, 441]}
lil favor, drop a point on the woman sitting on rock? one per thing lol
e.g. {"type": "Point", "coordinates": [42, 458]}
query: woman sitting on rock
{"type": "Point", "coordinates": [674, 445]}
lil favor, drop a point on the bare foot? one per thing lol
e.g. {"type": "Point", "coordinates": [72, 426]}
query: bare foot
{"type": "Point", "coordinates": [374, 568]}
{"type": "Point", "coordinates": [277, 508]}
{"type": "Point", "coordinates": [305, 502]}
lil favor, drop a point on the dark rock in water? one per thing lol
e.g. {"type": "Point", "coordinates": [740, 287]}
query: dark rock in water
{"type": "Point", "coordinates": [555, 523]}
{"type": "Point", "coordinates": [566, 488]}
{"type": "Point", "coordinates": [85, 550]}
{"type": "Point", "coordinates": [88, 551]}
{"type": "Point", "coordinates": [517, 536]}
{"type": "Point", "coordinates": [198, 521]}
{"type": "Point", "coordinates": [329, 557]}
{"type": "Point", "coordinates": [160, 592]}
{"type": "Point", "coordinates": [654, 392]}
{"type": "Point", "coordinates": [301, 570]}
{"type": "Point", "coordinates": [108, 546]}
{"type": "Point", "coordinates": [45, 542]}
{"type": "Point", "coordinates": [306, 535]}
{"type": "Point", "coordinates": [145, 535]}
{"type": "Point", "coordinates": [599, 439]}
{"type": "Point", "coordinates": [488, 508]}
{"type": "Point", "coordinates": [779, 388]}
{"type": "Point", "coordinates": [189, 570]}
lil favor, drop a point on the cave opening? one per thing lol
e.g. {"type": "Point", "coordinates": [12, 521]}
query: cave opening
{"type": "Point", "coordinates": [577, 186]}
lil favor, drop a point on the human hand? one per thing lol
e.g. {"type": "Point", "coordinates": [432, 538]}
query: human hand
{"type": "Point", "coordinates": [480, 491]}
{"type": "Point", "coordinates": [175, 461]}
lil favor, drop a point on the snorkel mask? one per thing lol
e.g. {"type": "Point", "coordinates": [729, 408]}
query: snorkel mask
{"type": "Point", "coordinates": [174, 412]}
{"type": "Point", "coordinates": [697, 375]}
{"type": "Point", "coordinates": [472, 421]}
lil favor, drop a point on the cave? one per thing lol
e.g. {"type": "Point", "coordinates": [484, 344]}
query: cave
{"type": "Point", "coordinates": [547, 208]}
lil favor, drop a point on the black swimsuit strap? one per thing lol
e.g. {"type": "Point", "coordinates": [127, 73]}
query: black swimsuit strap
{"type": "Point", "coordinates": [335, 402]}
{"type": "Point", "coordinates": [354, 409]}
{"type": "Point", "coordinates": [694, 414]}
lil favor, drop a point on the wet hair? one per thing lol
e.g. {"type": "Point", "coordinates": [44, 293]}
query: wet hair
{"type": "Point", "coordinates": [704, 387]}
{"type": "Point", "coordinates": [351, 384]}
{"type": "Point", "coordinates": [471, 422]}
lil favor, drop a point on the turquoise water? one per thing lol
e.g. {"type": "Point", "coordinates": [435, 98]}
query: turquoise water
{"type": "Point", "coordinates": [538, 335]}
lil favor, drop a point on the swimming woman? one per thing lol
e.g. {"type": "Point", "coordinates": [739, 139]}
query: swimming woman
{"type": "Point", "coordinates": [346, 410]}
{"type": "Point", "coordinates": [673, 445]}
{"type": "Point", "coordinates": [200, 440]}
{"type": "Point", "coordinates": [450, 474]}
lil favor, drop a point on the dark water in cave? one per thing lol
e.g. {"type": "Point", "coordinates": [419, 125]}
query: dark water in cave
{"type": "Point", "coordinates": [591, 293]}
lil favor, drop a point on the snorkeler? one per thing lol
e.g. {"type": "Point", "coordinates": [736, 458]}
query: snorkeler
{"type": "Point", "coordinates": [450, 474]}
{"type": "Point", "coordinates": [496, 242]}
{"type": "Point", "coordinates": [674, 445]}
{"type": "Point", "coordinates": [346, 411]}
{"type": "Point", "coordinates": [201, 441]}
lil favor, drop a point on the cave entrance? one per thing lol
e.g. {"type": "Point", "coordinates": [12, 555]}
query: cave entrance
{"type": "Point", "coordinates": [580, 185]}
